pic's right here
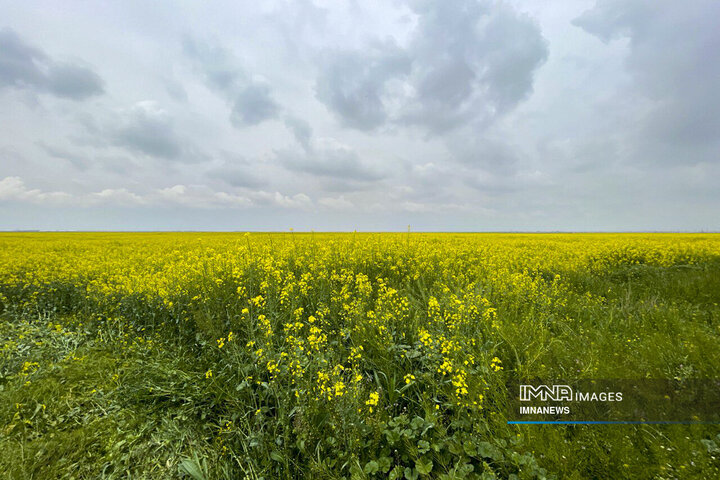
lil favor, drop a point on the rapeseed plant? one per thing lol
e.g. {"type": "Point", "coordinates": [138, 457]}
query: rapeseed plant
{"type": "Point", "coordinates": [313, 354]}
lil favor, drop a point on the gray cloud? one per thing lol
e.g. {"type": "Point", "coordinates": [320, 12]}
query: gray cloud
{"type": "Point", "coordinates": [301, 130]}
{"type": "Point", "coordinates": [329, 158]}
{"type": "Point", "coordinates": [142, 130]}
{"type": "Point", "coordinates": [219, 68]}
{"type": "Point", "coordinates": [467, 61]}
{"type": "Point", "coordinates": [236, 172]}
{"type": "Point", "coordinates": [253, 105]}
{"type": "Point", "coordinates": [72, 81]}
{"type": "Point", "coordinates": [353, 84]}
{"type": "Point", "coordinates": [339, 164]}
{"type": "Point", "coordinates": [489, 154]}
{"type": "Point", "coordinates": [145, 128]}
{"type": "Point", "coordinates": [251, 100]}
{"type": "Point", "coordinates": [176, 91]}
{"type": "Point", "coordinates": [26, 67]}
{"type": "Point", "coordinates": [85, 160]}
{"type": "Point", "coordinates": [77, 160]}
{"type": "Point", "coordinates": [673, 58]}
{"type": "Point", "coordinates": [475, 61]}
{"type": "Point", "coordinates": [18, 61]}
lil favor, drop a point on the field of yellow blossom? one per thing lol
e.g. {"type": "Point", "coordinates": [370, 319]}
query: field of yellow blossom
{"type": "Point", "coordinates": [348, 355]}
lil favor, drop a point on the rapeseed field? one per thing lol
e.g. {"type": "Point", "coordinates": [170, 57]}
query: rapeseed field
{"type": "Point", "coordinates": [353, 355]}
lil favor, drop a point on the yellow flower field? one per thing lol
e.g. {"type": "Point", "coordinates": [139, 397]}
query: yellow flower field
{"type": "Point", "coordinates": [353, 355]}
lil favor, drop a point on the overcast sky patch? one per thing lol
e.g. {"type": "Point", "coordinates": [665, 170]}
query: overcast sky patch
{"type": "Point", "coordinates": [467, 115]}
{"type": "Point", "coordinates": [24, 66]}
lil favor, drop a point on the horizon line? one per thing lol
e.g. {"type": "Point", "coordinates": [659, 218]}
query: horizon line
{"type": "Point", "coordinates": [291, 230]}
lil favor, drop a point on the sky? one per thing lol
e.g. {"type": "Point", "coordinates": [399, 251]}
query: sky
{"type": "Point", "coordinates": [466, 115]}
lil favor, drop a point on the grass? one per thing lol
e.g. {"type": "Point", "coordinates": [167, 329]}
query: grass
{"type": "Point", "coordinates": [349, 362]}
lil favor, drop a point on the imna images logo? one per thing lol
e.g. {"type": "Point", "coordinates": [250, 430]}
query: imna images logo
{"type": "Point", "coordinates": [554, 393]}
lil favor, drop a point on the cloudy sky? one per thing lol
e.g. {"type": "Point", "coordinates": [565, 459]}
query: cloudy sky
{"type": "Point", "coordinates": [374, 115]}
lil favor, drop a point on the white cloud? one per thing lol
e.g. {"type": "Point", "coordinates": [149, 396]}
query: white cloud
{"type": "Point", "coordinates": [419, 207]}
{"type": "Point", "coordinates": [337, 203]}
{"type": "Point", "coordinates": [299, 200]}
{"type": "Point", "coordinates": [116, 196]}
{"type": "Point", "coordinates": [13, 189]}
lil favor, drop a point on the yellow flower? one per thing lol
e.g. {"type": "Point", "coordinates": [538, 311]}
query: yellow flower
{"type": "Point", "coordinates": [373, 400]}
{"type": "Point", "coordinates": [208, 374]}
{"type": "Point", "coordinates": [446, 367]}
{"type": "Point", "coordinates": [355, 353]}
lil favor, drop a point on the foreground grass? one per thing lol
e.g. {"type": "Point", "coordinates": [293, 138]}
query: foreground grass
{"type": "Point", "coordinates": [385, 359]}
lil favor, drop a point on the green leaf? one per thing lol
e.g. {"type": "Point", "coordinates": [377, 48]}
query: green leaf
{"type": "Point", "coordinates": [423, 446]}
{"type": "Point", "coordinates": [417, 423]}
{"type": "Point", "coordinates": [488, 450]}
{"type": "Point", "coordinates": [371, 467]}
{"type": "Point", "coordinates": [411, 473]}
{"type": "Point", "coordinates": [464, 470]}
{"type": "Point", "coordinates": [412, 354]}
{"type": "Point", "coordinates": [384, 463]}
{"type": "Point", "coordinates": [710, 446]}
{"type": "Point", "coordinates": [356, 472]}
{"type": "Point", "coordinates": [192, 467]}
{"type": "Point", "coordinates": [470, 448]}
{"type": "Point", "coordinates": [424, 467]}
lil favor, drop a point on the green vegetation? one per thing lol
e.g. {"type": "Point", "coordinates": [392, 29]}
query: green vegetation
{"type": "Point", "coordinates": [302, 356]}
